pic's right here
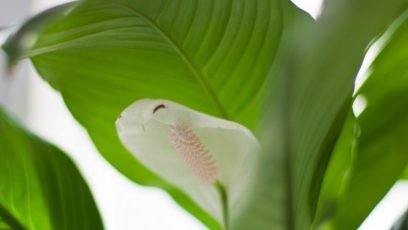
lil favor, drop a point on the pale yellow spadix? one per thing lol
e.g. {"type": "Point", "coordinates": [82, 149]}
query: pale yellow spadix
{"type": "Point", "coordinates": [191, 150]}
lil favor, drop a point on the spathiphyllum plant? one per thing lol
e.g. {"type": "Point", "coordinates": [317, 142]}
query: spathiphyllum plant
{"type": "Point", "coordinates": [241, 110]}
{"type": "Point", "coordinates": [209, 158]}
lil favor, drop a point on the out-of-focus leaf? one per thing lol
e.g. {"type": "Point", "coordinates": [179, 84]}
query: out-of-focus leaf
{"type": "Point", "coordinates": [382, 150]}
{"type": "Point", "coordinates": [382, 146]}
{"type": "Point", "coordinates": [321, 87]}
{"type": "Point", "coordinates": [4, 225]}
{"type": "Point", "coordinates": [40, 189]}
{"type": "Point", "coordinates": [21, 41]}
{"type": "Point", "coordinates": [266, 205]}
{"type": "Point", "coordinates": [405, 174]}
{"type": "Point", "coordinates": [402, 223]}
{"type": "Point", "coordinates": [335, 179]}
{"type": "Point", "coordinates": [311, 97]}
{"type": "Point", "coordinates": [212, 56]}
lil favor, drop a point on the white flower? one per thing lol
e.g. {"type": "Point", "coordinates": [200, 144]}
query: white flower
{"type": "Point", "coordinates": [191, 150]}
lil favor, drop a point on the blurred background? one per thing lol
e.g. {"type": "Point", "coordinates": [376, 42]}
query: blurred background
{"type": "Point", "coordinates": [123, 204]}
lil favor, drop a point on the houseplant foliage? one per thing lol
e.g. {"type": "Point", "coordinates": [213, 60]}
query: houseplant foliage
{"type": "Point", "coordinates": [264, 64]}
{"type": "Point", "coordinates": [378, 132]}
{"type": "Point", "coordinates": [40, 186]}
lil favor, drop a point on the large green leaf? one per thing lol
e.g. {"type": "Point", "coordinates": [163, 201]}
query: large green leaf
{"type": "Point", "coordinates": [382, 144]}
{"type": "Point", "coordinates": [196, 52]}
{"type": "Point", "coordinates": [212, 56]}
{"type": "Point", "coordinates": [41, 188]}
{"type": "Point", "coordinates": [381, 153]}
{"type": "Point", "coordinates": [320, 91]}
{"type": "Point", "coordinates": [311, 96]}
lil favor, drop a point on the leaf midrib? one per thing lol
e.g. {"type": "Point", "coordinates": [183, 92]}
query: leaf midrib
{"type": "Point", "coordinates": [180, 52]}
{"type": "Point", "coordinates": [193, 68]}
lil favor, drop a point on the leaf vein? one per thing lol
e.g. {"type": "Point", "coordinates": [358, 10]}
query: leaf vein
{"type": "Point", "coordinates": [196, 72]}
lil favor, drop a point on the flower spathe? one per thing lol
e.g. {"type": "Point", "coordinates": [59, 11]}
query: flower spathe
{"type": "Point", "coordinates": [190, 150]}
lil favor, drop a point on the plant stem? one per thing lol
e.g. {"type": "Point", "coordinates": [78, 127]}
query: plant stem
{"type": "Point", "coordinates": [224, 203]}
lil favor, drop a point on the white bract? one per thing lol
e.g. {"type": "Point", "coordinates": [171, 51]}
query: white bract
{"type": "Point", "coordinates": [191, 150]}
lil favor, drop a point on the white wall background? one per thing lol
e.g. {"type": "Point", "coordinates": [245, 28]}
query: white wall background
{"type": "Point", "coordinates": [123, 205]}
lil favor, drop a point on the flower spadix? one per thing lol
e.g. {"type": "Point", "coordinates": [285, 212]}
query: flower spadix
{"type": "Point", "coordinates": [191, 150]}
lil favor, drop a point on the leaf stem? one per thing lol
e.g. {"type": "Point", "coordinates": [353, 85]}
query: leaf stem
{"type": "Point", "coordinates": [224, 203]}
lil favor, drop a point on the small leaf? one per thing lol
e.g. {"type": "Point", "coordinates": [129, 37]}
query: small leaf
{"type": "Point", "coordinates": [191, 150]}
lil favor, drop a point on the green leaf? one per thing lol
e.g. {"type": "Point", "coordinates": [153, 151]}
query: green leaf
{"type": "Point", "coordinates": [321, 90]}
{"type": "Point", "coordinates": [40, 186]}
{"type": "Point", "coordinates": [319, 94]}
{"type": "Point", "coordinates": [4, 225]}
{"type": "Point", "coordinates": [311, 96]}
{"type": "Point", "coordinates": [405, 174]}
{"type": "Point", "coordinates": [382, 144]}
{"type": "Point", "coordinates": [381, 153]}
{"type": "Point", "coordinates": [212, 56]}
{"type": "Point", "coordinates": [338, 171]}
{"type": "Point", "coordinates": [22, 40]}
